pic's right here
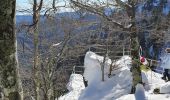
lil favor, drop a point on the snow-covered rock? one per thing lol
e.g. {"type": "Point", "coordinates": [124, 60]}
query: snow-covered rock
{"type": "Point", "coordinates": [75, 82]}
{"type": "Point", "coordinates": [118, 86]}
{"type": "Point", "coordinates": [75, 86]}
{"type": "Point", "coordinates": [112, 88]}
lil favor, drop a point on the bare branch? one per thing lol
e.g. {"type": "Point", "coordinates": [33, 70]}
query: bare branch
{"type": "Point", "coordinates": [98, 12]}
{"type": "Point", "coordinates": [122, 4]}
{"type": "Point", "coordinates": [53, 5]}
{"type": "Point", "coordinates": [127, 7]}
{"type": "Point", "coordinates": [40, 5]}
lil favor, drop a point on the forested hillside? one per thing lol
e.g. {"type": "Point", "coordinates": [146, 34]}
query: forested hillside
{"type": "Point", "coordinates": [84, 49]}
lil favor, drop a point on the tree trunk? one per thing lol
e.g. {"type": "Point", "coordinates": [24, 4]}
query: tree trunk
{"type": "Point", "coordinates": [36, 69]}
{"type": "Point", "coordinates": [130, 8]}
{"type": "Point", "coordinates": [136, 72]}
{"type": "Point", "coordinates": [8, 63]}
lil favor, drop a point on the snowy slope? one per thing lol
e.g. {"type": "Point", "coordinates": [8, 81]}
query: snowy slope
{"type": "Point", "coordinates": [111, 88]}
{"type": "Point", "coordinates": [75, 86]}
{"type": "Point", "coordinates": [152, 80]}
{"type": "Point", "coordinates": [118, 86]}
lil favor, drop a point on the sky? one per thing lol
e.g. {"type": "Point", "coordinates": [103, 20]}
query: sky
{"type": "Point", "coordinates": [25, 4]}
{"type": "Point", "coordinates": [22, 3]}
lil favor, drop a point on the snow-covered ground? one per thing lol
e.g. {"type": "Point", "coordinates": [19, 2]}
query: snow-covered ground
{"type": "Point", "coordinates": [117, 87]}
{"type": "Point", "coordinates": [111, 88]}
{"type": "Point", "coordinates": [148, 97]}
{"type": "Point", "coordinates": [75, 86]}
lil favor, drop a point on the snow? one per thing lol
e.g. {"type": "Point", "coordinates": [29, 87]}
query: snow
{"type": "Point", "coordinates": [57, 44]}
{"type": "Point", "coordinates": [148, 97]}
{"type": "Point", "coordinates": [111, 88]}
{"type": "Point", "coordinates": [118, 86]}
{"type": "Point", "coordinates": [165, 88]}
{"type": "Point", "coordinates": [75, 86]}
{"type": "Point", "coordinates": [152, 80]}
{"type": "Point", "coordinates": [165, 61]}
{"type": "Point", "coordinates": [140, 92]}
{"type": "Point", "coordinates": [75, 82]}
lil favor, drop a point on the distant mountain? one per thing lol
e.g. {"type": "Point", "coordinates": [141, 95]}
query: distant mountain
{"type": "Point", "coordinates": [21, 18]}
{"type": "Point", "coordinates": [73, 15]}
{"type": "Point", "coordinates": [50, 33]}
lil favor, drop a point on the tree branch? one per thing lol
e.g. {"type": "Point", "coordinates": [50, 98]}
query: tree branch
{"type": "Point", "coordinates": [40, 5]}
{"type": "Point", "coordinates": [98, 12]}
{"type": "Point", "coordinates": [122, 4]}
{"type": "Point", "coordinates": [127, 7]}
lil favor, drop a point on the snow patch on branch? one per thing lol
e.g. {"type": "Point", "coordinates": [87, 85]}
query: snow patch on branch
{"type": "Point", "coordinates": [57, 44]}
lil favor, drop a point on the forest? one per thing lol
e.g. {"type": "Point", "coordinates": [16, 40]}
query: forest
{"type": "Point", "coordinates": [84, 50]}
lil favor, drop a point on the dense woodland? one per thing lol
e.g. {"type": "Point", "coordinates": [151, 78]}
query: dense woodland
{"type": "Point", "coordinates": [50, 43]}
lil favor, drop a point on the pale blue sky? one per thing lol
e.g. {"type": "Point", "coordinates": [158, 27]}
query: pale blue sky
{"type": "Point", "coordinates": [22, 3]}
{"type": "Point", "coordinates": [25, 4]}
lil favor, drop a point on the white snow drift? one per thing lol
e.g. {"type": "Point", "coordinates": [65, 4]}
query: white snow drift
{"type": "Point", "coordinates": [112, 88]}
{"type": "Point", "coordinates": [117, 87]}
{"type": "Point", "coordinates": [75, 86]}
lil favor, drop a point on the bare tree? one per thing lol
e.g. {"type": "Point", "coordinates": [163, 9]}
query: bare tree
{"type": "Point", "coordinates": [130, 8]}
{"type": "Point", "coordinates": [36, 17]}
